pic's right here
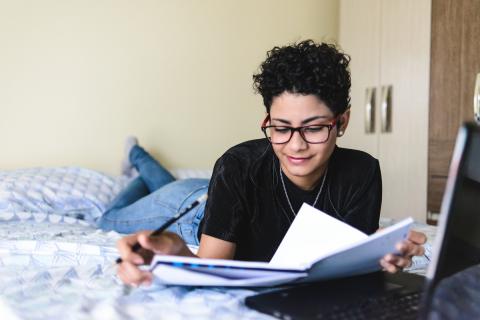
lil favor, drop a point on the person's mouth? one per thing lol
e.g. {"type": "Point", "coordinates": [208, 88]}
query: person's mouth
{"type": "Point", "coordinates": [297, 160]}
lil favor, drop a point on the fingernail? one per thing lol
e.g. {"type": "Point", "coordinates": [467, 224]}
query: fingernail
{"type": "Point", "coordinates": [146, 283]}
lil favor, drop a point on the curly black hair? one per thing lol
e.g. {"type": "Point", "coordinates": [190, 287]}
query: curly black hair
{"type": "Point", "coordinates": [306, 68]}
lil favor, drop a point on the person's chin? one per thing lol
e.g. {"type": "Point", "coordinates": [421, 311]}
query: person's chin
{"type": "Point", "coordinates": [298, 173]}
{"type": "Point", "coordinates": [299, 170]}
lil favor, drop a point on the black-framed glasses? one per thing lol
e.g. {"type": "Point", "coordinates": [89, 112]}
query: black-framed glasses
{"type": "Point", "coordinates": [314, 134]}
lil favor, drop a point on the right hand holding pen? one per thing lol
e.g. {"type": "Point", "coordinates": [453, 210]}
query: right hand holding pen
{"type": "Point", "coordinates": [166, 243]}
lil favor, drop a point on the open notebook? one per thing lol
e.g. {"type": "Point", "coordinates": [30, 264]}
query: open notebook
{"type": "Point", "coordinates": [316, 246]}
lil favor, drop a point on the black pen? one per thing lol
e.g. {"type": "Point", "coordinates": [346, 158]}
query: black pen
{"type": "Point", "coordinates": [169, 222]}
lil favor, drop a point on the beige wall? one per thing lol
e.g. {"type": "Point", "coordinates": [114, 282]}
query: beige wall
{"type": "Point", "coordinates": [77, 76]}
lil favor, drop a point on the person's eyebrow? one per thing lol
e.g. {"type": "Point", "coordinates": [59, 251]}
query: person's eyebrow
{"type": "Point", "coordinates": [303, 122]}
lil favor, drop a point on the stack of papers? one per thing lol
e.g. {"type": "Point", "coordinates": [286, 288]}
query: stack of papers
{"type": "Point", "coordinates": [316, 247]}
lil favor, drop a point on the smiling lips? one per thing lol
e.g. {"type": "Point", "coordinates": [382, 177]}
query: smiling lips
{"type": "Point", "coordinates": [298, 160]}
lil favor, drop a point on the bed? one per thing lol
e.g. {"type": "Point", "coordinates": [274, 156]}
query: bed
{"type": "Point", "coordinates": [54, 263]}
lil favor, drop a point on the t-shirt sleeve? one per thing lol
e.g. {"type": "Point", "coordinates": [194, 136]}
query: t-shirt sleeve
{"type": "Point", "coordinates": [362, 210]}
{"type": "Point", "coordinates": [225, 211]}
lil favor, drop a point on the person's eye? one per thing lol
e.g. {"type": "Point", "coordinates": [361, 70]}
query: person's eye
{"type": "Point", "coordinates": [281, 129]}
{"type": "Point", "coordinates": [314, 129]}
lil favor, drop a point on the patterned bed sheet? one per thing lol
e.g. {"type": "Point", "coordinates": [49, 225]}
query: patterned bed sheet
{"type": "Point", "coordinates": [55, 266]}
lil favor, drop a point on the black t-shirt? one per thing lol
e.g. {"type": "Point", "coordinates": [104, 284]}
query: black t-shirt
{"type": "Point", "coordinates": [247, 203]}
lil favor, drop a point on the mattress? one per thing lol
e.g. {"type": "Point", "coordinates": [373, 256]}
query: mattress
{"type": "Point", "coordinates": [56, 267]}
{"type": "Point", "coordinates": [54, 263]}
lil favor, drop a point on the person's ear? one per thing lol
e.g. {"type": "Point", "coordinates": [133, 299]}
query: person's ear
{"type": "Point", "coordinates": [342, 123]}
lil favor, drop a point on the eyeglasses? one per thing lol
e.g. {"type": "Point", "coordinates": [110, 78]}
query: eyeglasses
{"type": "Point", "coordinates": [313, 134]}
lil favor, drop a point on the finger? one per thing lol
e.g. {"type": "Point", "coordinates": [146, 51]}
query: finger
{"type": "Point", "coordinates": [417, 237]}
{"type": "Point", "coordinates": [149, 243]}
{"type": "Point", "coordinates": [124, 277]}
{"type": "Point", "coordinates": [407, 248]}
{"type": "Point", "coordinates": [391, 268]}
{"type": "Point", "coordinates": [125, 245]}
{"type": "Point", "coordinates": [163, 244]}
{"type": "Point", "coordinates": [130, 274]}
{"type": "Point", "coordinates": [417, 250]}
{"type": "Point", "coordinates": [135, 283]}
{"type": "Point", "coordinates": [398, 261]}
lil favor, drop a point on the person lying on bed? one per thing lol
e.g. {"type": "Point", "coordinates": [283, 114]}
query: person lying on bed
{"type": "Point", "coordinates": [258, 186]}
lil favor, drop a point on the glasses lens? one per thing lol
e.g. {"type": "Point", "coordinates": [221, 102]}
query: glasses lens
{"type": "Point", "coordinates": [311, 134]}
{"type": "Point", "coordinates": [278, 134]}
{"type": "Point", "coordinates": [316, 134]}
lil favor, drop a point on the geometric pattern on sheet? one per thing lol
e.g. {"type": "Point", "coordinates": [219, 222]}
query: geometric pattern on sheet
{"type": "Point", "coordinates": [55, 267]}
{"type": "Point", "coordinates": [71, 191]}
{"type": "Point", "coordinates": [52, 266]}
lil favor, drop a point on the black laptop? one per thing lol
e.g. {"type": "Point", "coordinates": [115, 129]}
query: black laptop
{"type": "Point", "coordinates": [402, 295]}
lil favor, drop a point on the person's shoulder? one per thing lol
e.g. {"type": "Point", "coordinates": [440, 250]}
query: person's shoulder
{"type": "Point", "coordinates": [354, 160]}
{"type": "Point", "coordinates": [246, 154]}
{"type": "Point", "coordinates": [249, 150]}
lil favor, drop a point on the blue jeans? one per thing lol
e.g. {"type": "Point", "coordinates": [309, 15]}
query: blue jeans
{"type": "Point", "coordinates": [152, 198]}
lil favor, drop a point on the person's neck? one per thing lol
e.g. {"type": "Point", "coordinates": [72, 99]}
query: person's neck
{"type": "Point", "coordinates": [307, 183]}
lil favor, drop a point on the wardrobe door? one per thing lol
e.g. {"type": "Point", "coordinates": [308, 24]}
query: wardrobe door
{"type": "Point", "coordinates": [455, 64]}
{"type": "Point", "coordinates": [389, 41]}
{"type": "Point", "coordinates": [360, 38]}
{"type": "Point", "coordinates": [404, 78]}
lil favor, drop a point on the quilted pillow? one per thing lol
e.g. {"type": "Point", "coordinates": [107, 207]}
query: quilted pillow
{"type": "Point", "coordinates": [71, 191]}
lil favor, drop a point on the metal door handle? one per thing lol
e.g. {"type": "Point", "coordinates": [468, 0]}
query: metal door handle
{"type": "Point", "coordinates": [476, 100]}
{"type": "Point", "coordinates": [370, 94]}
{"type": "Point", "coordinates": [386, 109]}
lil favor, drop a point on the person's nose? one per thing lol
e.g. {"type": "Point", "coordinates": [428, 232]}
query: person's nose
{"type": "Point", "coordinates": [297, 142]}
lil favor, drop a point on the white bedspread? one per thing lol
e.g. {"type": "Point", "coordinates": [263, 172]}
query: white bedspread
{"type": "Point", "coordinates": [55, 267]}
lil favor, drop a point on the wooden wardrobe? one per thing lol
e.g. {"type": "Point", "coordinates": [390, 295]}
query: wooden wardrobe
{"type": "Point", "coordinates": [455, 65]}
{"type": "Point", "coordinates": [414, 66]}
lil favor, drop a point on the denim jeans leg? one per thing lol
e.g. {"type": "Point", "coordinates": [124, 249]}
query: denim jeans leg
{"type": "Point", "coordinates": [151, 211]}
{"type": "Point", "coordinates": [136, 190]}
{"type": "Point", "coordinates": [152, 172]}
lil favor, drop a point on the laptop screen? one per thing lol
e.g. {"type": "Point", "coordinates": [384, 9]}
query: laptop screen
{"type": "Point", "coordinates": [457, 244]}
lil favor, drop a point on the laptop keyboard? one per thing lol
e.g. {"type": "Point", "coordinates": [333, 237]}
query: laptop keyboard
{"type": "Point", "coordinates": [380, 307]}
